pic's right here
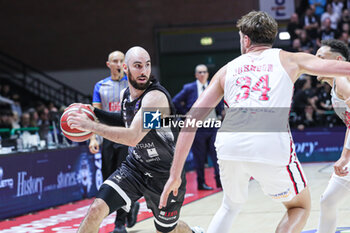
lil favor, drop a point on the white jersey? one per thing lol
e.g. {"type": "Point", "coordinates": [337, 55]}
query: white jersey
{"type": "Point", "coordinates": [342, 111]}
{"type": "Point", "coordinates": [340, 107]}
{"type": "Point", "coordinates": [258, 92]}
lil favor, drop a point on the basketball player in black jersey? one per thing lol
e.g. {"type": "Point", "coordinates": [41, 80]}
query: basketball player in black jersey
{"type": "Point", "coordinates": [146, 169]}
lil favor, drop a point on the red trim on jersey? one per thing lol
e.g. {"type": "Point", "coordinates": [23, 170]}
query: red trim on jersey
{"type": "Point", "coordinates": [291, 150]}
{"type": "Point", "coordinates": [292, 178]}
{"type": "Point", "coordinates": [226, 103]}
{"type": "Point", "coordinates": [301, 174]}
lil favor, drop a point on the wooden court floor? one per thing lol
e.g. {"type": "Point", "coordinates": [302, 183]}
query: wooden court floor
{"type": "Point", "coordinates": [260, 214]}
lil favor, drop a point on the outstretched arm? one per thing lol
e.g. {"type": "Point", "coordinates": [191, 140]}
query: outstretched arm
{"type": "Point", "coordinates": [302, 63]}
{"type": "Point", "coordinates": [201, 108]}
{"type": "Point", "coordinates": [127, 136]}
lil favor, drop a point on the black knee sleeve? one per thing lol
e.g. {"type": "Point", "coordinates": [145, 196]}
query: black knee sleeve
{"type": "Point", "coordinates": [111, 197]}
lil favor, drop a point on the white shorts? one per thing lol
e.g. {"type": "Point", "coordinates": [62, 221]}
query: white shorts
{"type": "Point", "coordinates": [281, 183]}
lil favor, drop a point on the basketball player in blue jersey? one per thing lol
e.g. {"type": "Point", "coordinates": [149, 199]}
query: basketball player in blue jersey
{"type": "Point", "coordinates": [338, 188]}
{"type": "Point", "coordinates": [106, 96]}
{"type": "Point", "coordinates": [146, 169]}
{"type": "Point", "coordinates": [261, 78]}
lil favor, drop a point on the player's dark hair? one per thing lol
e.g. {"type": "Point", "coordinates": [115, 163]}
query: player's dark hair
{"type": "Point", "coordinates": [337, 46]}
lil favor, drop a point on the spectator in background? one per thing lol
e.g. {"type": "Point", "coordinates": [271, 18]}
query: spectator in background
{"type": "Point", "coordinates": [324, 101]}
{"type": "Point", "coordinates": [345, 38]}
{"type": "Point", "coordinates": [345, 18]}
{"type": "Point", "coordinates": [16, 106]}
{"type": "Point", "coordinates": [296, 46]}
{"type": "Point", "coordinates": [306, 43]}
{"type": "Point", "coordinates": [345, 27]}
{"type": "Point", "coordinates": [307, 118]}
{"type": "Point", "coordinates": [44, 125]}
{"type": "Point", "coordinates": [8, 120]}
{"type": "Point", "coordinates": [319, 6]}
{"type": "Point", "coordinates": [43, 114]}
{"type": "Point", "coordinates": [330, 14]}
{"type": "Point", "coordinates": [327, 32]}
{"type": "Point", "coordinates": [14, 120]}
{"type": "Point", "coordinates": [302, 95]}
{"type": "Point", "coordinates": [25, 120]}
{"type": "Point", "coordinates": [338, 6]}
{"type": "Point", "coordinates": [6, 91]}
{"type": "Point", "coordinates": [52, 107]}
{"type": "Point", "coordinates": [294, 28]}
{"type": "Point", "coordinates": [203, 144]}
{"type": "Point", "coordinates": [34, 117]}
{"type": "Point", "coordinates": [310, 24]}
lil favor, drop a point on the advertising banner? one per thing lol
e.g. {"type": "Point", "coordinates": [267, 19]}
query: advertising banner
{"type": "Point", "coordinates": [279, 9]}
{"type": "Point", "coordinates": [36, 180]}
{"type": "Point", "coordinates": [319, 145]}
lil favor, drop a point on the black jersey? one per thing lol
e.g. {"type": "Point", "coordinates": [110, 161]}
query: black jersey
{"type": "Point", "coordinates": [154, 153]}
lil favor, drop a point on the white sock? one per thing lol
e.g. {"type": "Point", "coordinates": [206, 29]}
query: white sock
{"type": "Point", "coordinates": [223, 219]}
{"type": "Point", "coordinates": [334, 195]}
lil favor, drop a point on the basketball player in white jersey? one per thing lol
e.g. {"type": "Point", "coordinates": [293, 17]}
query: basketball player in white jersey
{"type": "Point", "coordinates": [338, 188]}
{"type": "Point", "coordinates": [261, 78]}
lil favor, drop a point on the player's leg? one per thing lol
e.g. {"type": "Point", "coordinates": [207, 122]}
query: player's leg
{"type": "Point", "coordinates": [96, 213]}
{"type": "Point", "coordinates": [287, 185]}
{"type": "Point", "coordinates": [213, 156]}
{"type": "Point", "coordinates": [235, 183]}
{"type": "Point", "coordinates": [120, 152]}
{"type": "Point", "coordinates": [167, 219]}
{"type": "Point", "coordinates": [116, 192]}
{"type": "Point", "coordinates": [337, 191]}
{"type": "Point", "coordinates": [107, 200]}
{"type": "Point", "coordinates": [298, 211]}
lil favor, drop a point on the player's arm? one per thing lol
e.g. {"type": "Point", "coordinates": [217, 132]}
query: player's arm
{"type": "Point", "coordinates": [128, 136]}
{"type": "Point", "coordinates": [109, 118]}
{"type": "Point", "coordinates": [303, 63]}
{"type": "Point", "coordinates": [200, 109]}
{"type": "Point", "coordinates": [344, 158]}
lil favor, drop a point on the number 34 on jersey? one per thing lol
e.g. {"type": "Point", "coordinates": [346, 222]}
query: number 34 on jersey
{"type": "Point", "coordinates": [247, 87]}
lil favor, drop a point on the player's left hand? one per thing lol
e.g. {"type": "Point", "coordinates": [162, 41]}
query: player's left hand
{"type": "Point", "coordinates": [339, 167]}
{"type": "Point", "coordinates": [79, 120]}
{"type": "Point", "coordinates": [172, 185]}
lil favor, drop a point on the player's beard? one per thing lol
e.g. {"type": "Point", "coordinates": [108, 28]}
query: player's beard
{"type": "Point", "coordinates": [138, 86]}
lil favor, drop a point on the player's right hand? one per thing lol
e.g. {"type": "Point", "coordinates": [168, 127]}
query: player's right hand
{"type": "Point", "coordinates": [172, 185]}
{"type": "Point", "coordinates": [94, 147]}
{"type": "Point", "coordinates": [339, 167]}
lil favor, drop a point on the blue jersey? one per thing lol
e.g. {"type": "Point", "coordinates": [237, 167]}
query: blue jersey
{"type": "Point", "coordinates": [107, 93]}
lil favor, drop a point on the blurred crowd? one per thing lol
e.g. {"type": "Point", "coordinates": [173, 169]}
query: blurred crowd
{"type": "Point", "coordinates": [314, 21]}
{"type": "Point", "coordinates": [14, 114]}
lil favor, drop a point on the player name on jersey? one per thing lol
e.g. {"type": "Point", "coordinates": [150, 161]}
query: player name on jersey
{"type": "Point", "coordinates": [258, 68]}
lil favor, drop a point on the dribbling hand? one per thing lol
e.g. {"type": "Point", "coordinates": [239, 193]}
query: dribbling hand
{"type": "Point", "coordinates": [79, 120]}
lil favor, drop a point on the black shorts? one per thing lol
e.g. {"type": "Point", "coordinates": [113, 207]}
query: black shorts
{"type": "Point", "coordinates": [131, 184]}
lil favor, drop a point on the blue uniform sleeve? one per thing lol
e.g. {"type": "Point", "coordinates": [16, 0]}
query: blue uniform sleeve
{"type": "Point", "coordinates": [96, 98]}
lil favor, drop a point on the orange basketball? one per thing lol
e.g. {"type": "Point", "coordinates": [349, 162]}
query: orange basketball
{"type": "Point", "coordinates": [75, 134]}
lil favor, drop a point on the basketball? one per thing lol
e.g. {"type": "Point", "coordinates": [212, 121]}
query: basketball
{"type": "Point", "coordinates": [76, 135]}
